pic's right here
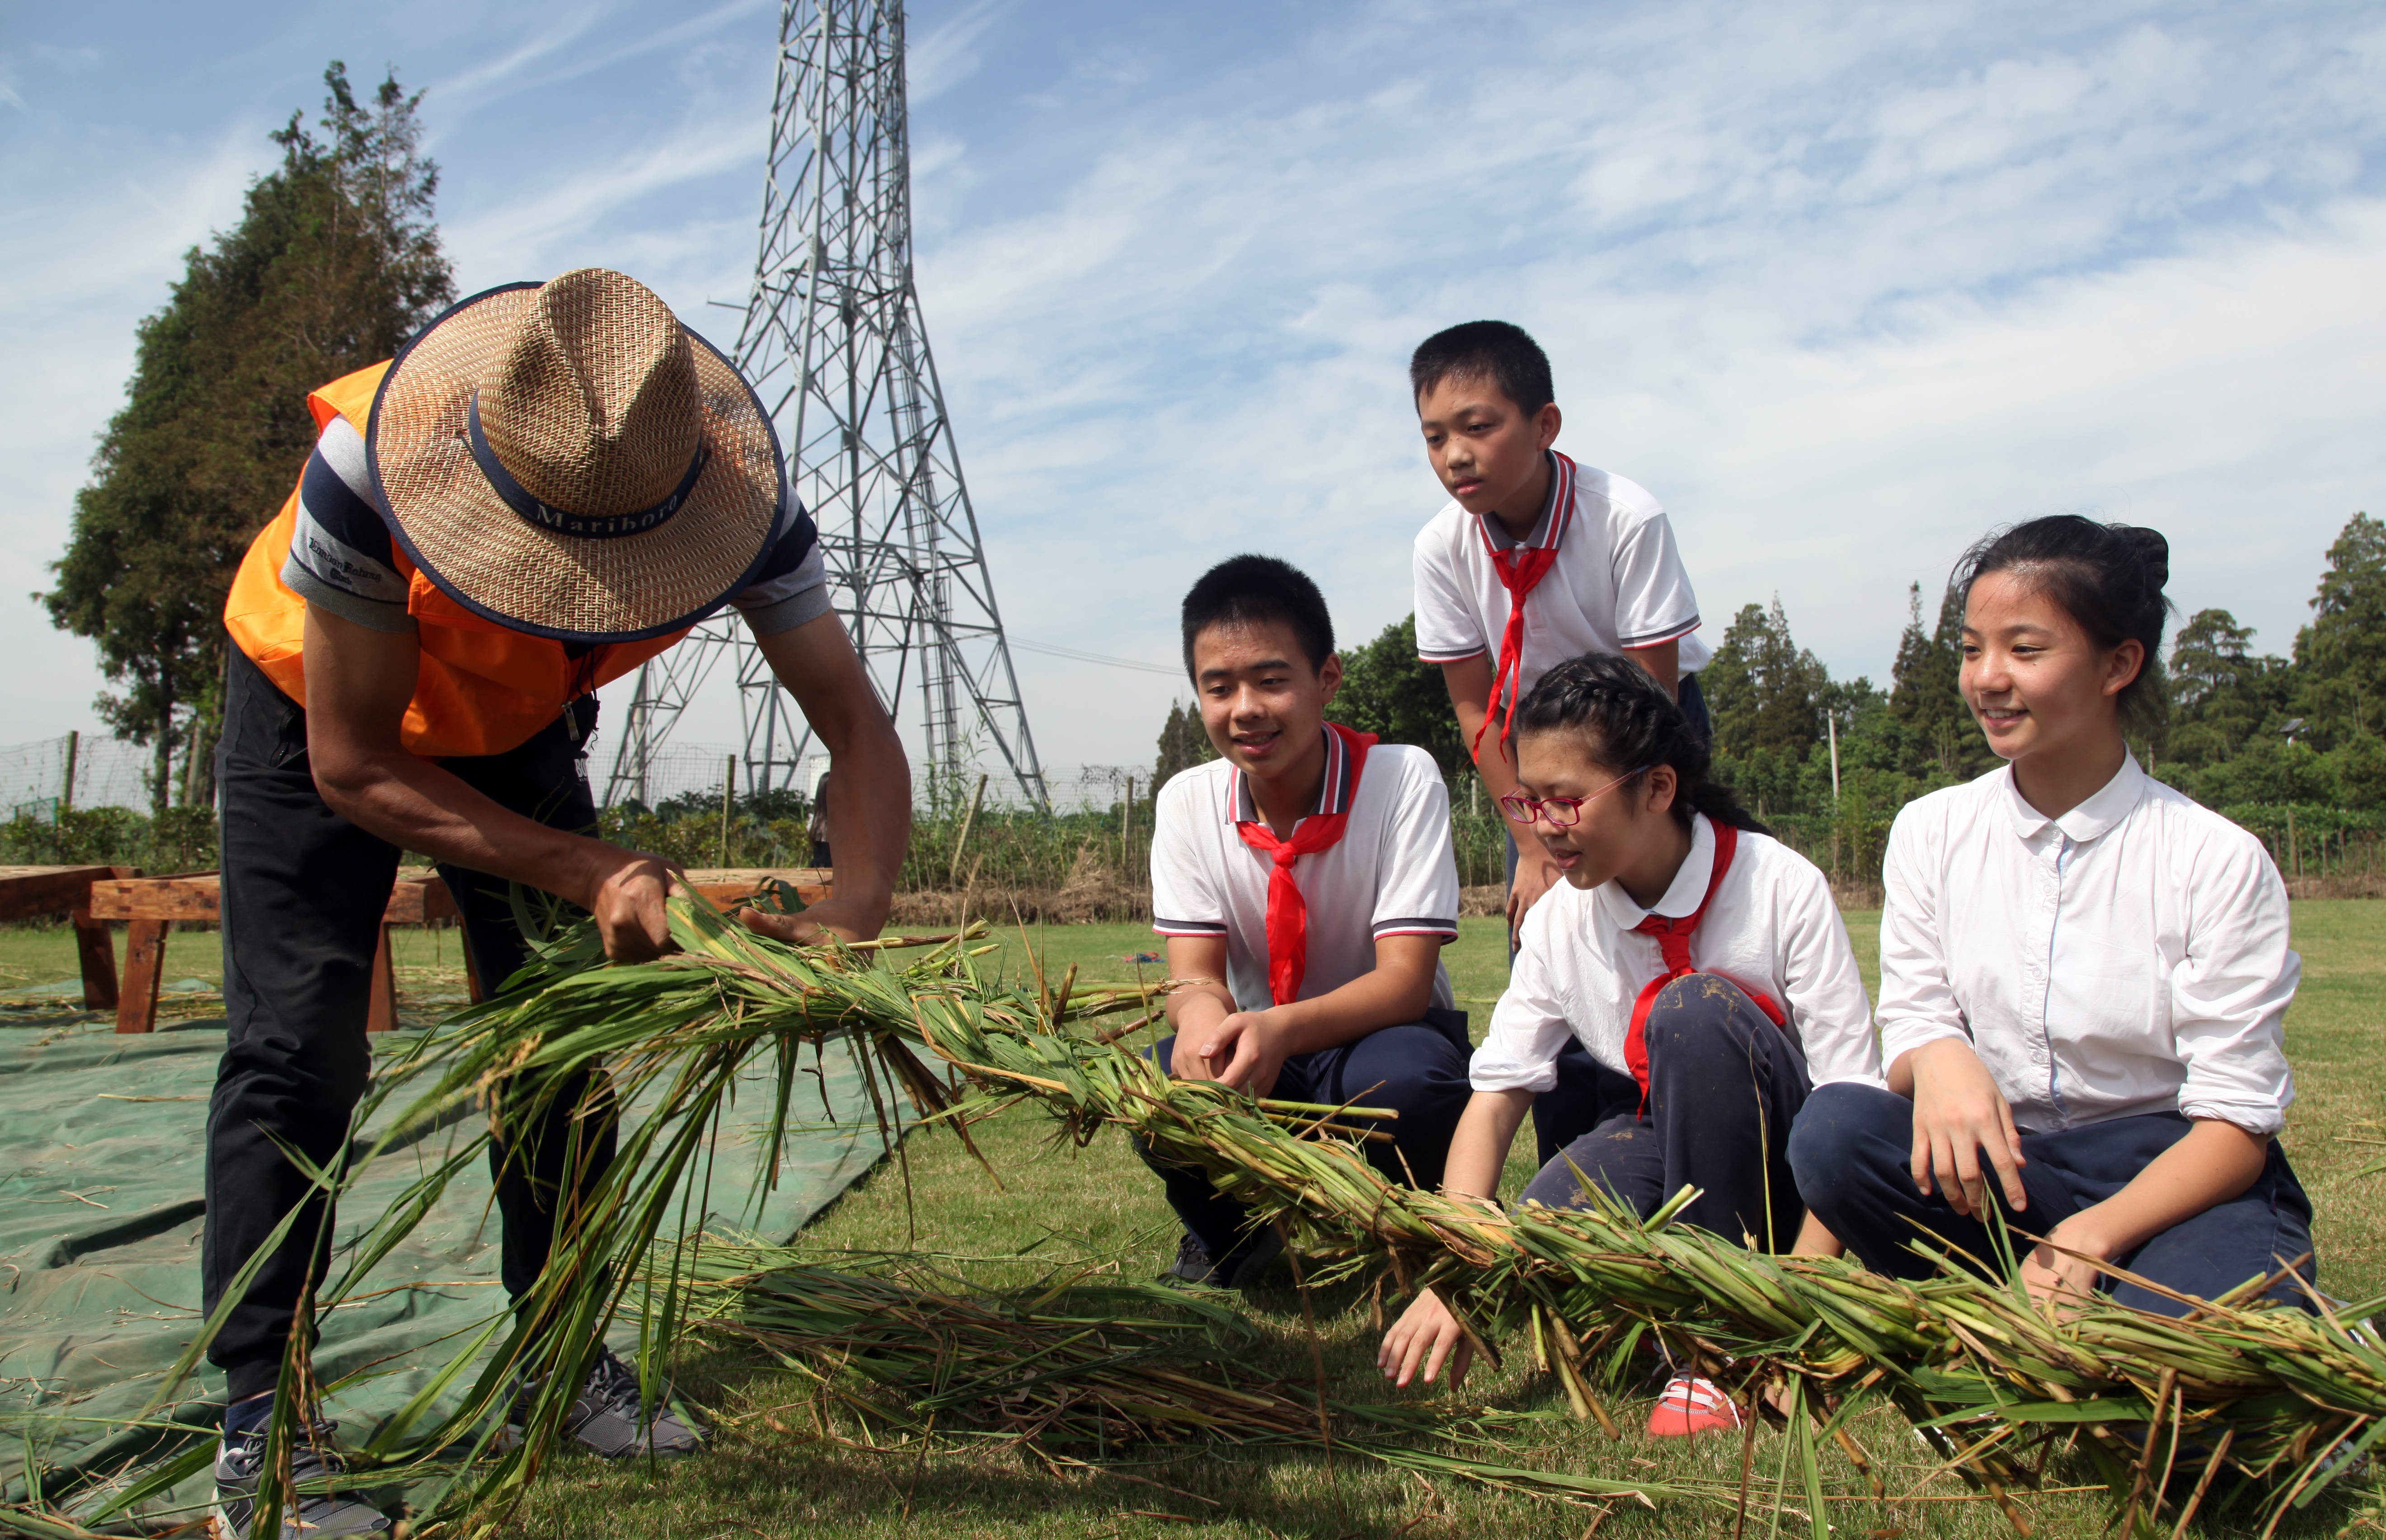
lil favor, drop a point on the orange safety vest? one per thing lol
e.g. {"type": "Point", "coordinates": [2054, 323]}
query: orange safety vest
{"type": "Point", "coordinates": [483, 688]}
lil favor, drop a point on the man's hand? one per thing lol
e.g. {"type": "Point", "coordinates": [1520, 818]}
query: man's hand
{"type": "Point", "coordinates": [627, 901]}
{"type": "Point", "coordinates": [1426, 1333]}
{"type": "Point", "coordinates": [1239, 1050]}
{"type": "Point", "coordinates": [1536, 874]}
{"type": "Point", "coordinates": [830, 919]}
{"type": "Point", "coordinates": [1959, 1115]}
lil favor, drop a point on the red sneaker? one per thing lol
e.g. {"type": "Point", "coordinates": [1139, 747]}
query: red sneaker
{"type": "Point", "coordinates": [1691, 1405]}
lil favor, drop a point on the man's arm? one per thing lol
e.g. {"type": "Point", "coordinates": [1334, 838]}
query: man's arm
{"type": "Point", "coordinates": [869, 786]}
{"type": "Point", "coordinates": [358, 682]}
{"type": "Point", "coordinates": [1245, 1049]}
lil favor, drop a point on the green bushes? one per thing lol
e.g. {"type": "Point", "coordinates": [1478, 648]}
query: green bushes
{"type": "Point", "coordinates": [180, 839]}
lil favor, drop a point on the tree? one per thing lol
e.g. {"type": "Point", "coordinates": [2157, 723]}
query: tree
{"type": "Point", "coordinates": [1183, 743]}
{"type": "Point", "coordinates": [1762, 692]}
{"type": "Point", "coordinates": [1926, 694]}
{"type": "Point", "coordinates": [2341, 655]}
{"type": "Point", "coordinates": [1388, 691]}
{"type": "Point", "coordinates": [2221, 694]}
{"type": "Point", "coordinates": [334, 263]}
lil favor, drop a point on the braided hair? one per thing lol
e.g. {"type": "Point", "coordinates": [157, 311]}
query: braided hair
{"type": "Point", "coordinates": [2108, 578]}
{"type": "Point", "coordinates": [1635, 725]}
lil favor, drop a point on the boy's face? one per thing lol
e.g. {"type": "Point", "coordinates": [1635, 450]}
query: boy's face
{"type": "Point", "coordinates": [1485, 448]}
{"type": "Point", "coordinates": [1262, 702]}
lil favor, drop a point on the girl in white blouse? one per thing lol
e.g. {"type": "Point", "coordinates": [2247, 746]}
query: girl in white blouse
{"type": "Point", "coordinates": [2084, 975]}
{"type": "Point", "coordinates": [1688, 952]}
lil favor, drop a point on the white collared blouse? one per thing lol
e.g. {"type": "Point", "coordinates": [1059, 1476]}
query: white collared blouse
{"type": "Point", "coordinates": [1772, 929]}
{"type": "Point", "coordinates": [2128, 956]}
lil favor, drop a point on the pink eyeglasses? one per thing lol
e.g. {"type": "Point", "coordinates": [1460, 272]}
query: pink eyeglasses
{"type": "Point", "coordinates": [1564, 812]}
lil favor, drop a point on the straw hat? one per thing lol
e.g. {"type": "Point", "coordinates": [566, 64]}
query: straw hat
{"type": "Point", "coordinates": [567, 460]}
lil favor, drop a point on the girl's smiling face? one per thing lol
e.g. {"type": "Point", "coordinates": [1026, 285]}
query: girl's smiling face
{"type": "Point", "coordinates": [2036, 682]}
{"type": "Point", "coordinates": [1622, 831]}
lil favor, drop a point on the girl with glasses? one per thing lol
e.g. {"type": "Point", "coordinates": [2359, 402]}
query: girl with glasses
{"type": "Point", "coordinates": [1699, 961]}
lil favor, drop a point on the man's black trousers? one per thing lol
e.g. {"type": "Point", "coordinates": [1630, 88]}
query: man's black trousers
{"type": "Point", "coordinates": [303, 894]}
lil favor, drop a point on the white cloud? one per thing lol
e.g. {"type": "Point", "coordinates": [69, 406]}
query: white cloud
{"type": "Point", "coordinates": [1844, 286]}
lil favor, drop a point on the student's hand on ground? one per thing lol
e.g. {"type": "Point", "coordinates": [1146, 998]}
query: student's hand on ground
{"type": "Point", "coordinates": [2059, 1277]}
{"type": "Point", "coordinates": [1959, 1116]}
{"type": "Point", "coordinates": [841, 920]}
{"type": "Point", "coordinates": [1427, 1334]}
{"type": "Point", "coordinates": [627, 902]}
{"type": "Point", "coordinates": [1536, 874]}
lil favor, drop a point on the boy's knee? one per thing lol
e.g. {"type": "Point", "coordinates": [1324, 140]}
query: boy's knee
{"type": "Point", "coordinates": [1162, 1054]}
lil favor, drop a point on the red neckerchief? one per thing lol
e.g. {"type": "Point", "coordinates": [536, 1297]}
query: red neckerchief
{"type": "Point", "coordinates": [1674, 941]}
{"type": "Point", "coordinates": [1287, 912]}
{"type": "Point", "coordinates": [1520, 569]}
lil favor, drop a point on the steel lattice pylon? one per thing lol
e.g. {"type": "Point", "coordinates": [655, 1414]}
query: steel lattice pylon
{"type": "Point", "coordinates": [833, 343]}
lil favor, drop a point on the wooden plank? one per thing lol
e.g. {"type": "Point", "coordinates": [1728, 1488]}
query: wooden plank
{"type": "Point", "coordinates": [722, 885]}
{"type": "Point", "coordinates": [194, 897]}
{"type": "Point", "coordinates": [96, 952]}
{"type": "Point", "coordinates": [417, 900]}
{"type": "Point", "coordinates": [26, 890]}
{"type": "Point", "coordinates": [412, 900]}
{"type": "Point", "coordinates": [145, 964]}
{"type": "Point", "coordinates": [380, 1010]}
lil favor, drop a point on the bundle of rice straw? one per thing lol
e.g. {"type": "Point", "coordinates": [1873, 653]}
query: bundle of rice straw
{"type": "Point", "coordinates": [2286, 1400]}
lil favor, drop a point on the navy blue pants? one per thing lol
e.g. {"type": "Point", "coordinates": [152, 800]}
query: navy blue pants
{"type": "Point", "coordinates": [1852, 1151]}
{"type": "Point", "coordinates": [1724, 1087]}
{"type": "Point", "coordinates": [1418, 1070]}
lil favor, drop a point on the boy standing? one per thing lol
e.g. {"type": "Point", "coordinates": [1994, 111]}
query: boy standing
{"type": "Point", "coordinates": [1306, 878]}
{"type": "Point", "coordinates": [1534, 560]}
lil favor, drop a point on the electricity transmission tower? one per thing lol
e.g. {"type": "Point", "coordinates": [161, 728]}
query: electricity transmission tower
{"type": "Point", "coordinates": [833, 343]}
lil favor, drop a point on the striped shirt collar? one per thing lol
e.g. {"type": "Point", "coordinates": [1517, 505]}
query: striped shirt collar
{"type": "Point", "coordinates": [1333, 791]}
{"type": "Point", "coordinates": [1557, 513]}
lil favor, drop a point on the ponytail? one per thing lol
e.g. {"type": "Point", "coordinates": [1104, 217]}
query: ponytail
{"type": "Point", "coordinates": [1637, 727]}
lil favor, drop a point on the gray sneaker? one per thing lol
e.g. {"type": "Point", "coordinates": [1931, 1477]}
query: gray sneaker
{"type": "Point", "coordinates": [323, 1508]}
{"type": "Point", "coordinates": [1245, 1267]}
{"type": "Point", "coordinates": [608, 1418]}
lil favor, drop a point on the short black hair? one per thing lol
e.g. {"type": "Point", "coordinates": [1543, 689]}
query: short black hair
{"type": "Point", "coordinates": [1494, 350]}
{"type": "Point", "coordinates": [2108, 578]}
{"type": "Point", "coordinates": [1248, 590]}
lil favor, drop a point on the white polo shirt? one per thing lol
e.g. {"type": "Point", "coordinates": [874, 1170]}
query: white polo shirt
{"type": "Point", "coordinates": [1617, 581]}
{"type": "Point", "coordinates": [1772, 929]}
{"type": "Point", "coordinates": [2130, 956]}
{"type": "Point", "coordinates": [1391, 873]}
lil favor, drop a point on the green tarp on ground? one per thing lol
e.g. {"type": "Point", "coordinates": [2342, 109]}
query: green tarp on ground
{"type": "Point", "coordinates": [102, 1156]}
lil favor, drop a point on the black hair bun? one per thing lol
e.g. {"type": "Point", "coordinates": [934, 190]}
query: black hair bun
{"type": "Point", "coordinates": [2151, 549]}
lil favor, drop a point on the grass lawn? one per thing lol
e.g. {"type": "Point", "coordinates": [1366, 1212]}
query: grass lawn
{"type": "Point", "coordinates": [771, 1473]}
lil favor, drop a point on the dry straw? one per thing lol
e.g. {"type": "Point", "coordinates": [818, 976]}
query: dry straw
{"type": "Point", "coordinates": [2252, 1402]}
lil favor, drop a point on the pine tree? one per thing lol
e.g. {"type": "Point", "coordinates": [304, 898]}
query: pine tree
{"type": "Point", "coordinates": [2341, 655]}
{"type": "Point", "coordinates": [1762, 690]}
{"type": "Point", "coordinates": [334, 263]}
{"type": "Point", "coordinates": [1926, 694]}
{"type": "Point", "coordinates": [1183, 743]}
{"type": "Point", "coordinates": [2221, 694]}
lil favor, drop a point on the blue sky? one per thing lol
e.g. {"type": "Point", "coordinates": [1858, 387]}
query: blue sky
{"type": "Point", "coordinates": [1844, 286]}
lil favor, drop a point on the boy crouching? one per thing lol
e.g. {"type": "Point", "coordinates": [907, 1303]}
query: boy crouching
{"type": "Point", "coordinates": [1306, 879]}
